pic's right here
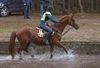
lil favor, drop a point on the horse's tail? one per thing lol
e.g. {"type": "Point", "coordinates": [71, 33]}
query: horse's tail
{"type": "Point", "coordinates": [11, 44]}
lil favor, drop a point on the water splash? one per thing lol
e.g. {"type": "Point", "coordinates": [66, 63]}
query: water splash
{"type": "Point", "coordinates": [70, 53]}
{"type": "Point", "coordinates": [43, 57]}
{"type": "Point", "coordinates": [3, 58]}
{"type": "Point", "coordinates": [71, 56]}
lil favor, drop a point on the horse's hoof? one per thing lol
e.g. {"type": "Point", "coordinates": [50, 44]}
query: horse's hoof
{"type": "Point", "coordinates": [20, 58]}
{"type": "Point", "coordinates": [13, 58]}
{"type": "Point", "coordinates": [51, 56]}
{"type": "Point", "coordinates": [66, 52]}
{"type": "Point", "coordinates": [32, 56]}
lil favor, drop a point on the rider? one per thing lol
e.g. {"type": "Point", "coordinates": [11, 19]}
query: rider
{"type": "Point", "coordinates": [43, 23]}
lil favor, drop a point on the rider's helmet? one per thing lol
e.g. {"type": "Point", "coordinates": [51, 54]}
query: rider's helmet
{"type": "Point", "coordinates": [49, 8]}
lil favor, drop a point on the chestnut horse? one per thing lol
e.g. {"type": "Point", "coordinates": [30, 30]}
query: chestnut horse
{"type": "Point", "coordinates": [26, 35]}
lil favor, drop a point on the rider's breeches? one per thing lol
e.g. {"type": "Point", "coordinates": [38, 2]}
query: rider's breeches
{"type": "Point", "coordinates": [46, 28]}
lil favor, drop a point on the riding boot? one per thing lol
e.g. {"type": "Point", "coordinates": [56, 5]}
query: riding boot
{"type": "Point", "coordinates": [46, 38]}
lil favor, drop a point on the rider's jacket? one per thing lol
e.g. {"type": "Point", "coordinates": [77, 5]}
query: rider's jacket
{"type": "Point", "coordinates": [48, 16]}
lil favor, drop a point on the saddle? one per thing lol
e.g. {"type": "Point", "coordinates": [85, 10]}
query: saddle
{"type": "Point", "coordinates": [42, 32]}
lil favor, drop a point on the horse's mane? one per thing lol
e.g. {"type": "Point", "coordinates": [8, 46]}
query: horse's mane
{"type": "Point", "coordinates": [62, 19]}
{"type": "Point", "coordinates": [58, 26]}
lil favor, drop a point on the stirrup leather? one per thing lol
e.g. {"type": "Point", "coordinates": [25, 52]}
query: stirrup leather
{"type": "Point", "coordinates": [40, 33]}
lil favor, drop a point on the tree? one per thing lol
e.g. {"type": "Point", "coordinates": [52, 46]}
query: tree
{"type": "Point", "coordinates": [80, 5]}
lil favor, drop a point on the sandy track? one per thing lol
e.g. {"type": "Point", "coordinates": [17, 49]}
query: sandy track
{"type": "Point", "coordinates": [78, 61]}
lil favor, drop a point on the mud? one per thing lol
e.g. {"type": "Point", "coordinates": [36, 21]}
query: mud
{"type": "Point", "coordinates": [59, 61]}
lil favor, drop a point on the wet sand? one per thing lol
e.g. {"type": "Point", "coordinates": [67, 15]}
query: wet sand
{"type": "Point", "coordinates": [59, 61]}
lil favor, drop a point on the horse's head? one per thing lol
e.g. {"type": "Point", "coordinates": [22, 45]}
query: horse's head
{"type": "Point", "coordinates": [69, 20]}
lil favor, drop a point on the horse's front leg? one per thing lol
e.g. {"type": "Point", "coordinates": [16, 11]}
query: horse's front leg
{"type": "Point", "coordinates": [51, 51]}
{"type": "Point", "coordinates": [59, 44]}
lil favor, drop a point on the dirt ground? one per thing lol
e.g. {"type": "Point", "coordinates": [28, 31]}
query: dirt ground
{"type": "Point", "coordinates": [89, 26]}
{"type": "Point", "coordinates": [78, 61]}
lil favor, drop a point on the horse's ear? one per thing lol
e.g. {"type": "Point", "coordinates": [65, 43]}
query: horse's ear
{"type": "Point", "coordinates": [66, 11]}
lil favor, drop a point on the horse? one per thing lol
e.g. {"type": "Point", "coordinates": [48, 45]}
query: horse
{"type": "Point", "coordinates": [27, 35]}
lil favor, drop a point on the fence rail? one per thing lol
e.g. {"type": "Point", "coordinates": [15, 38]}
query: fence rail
{"type": "Point", "coordinates": [77, 5]}
{"type": "Point", "coordinates": [74, 5]}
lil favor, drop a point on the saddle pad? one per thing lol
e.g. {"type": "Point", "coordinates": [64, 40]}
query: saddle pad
{"type": "Point", "coordinates": [40, 33]}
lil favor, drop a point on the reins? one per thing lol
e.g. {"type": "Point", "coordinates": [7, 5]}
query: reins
{"type": "Point", "coordinates": [66, 32]}
{"type": "Point", "coordinates": [62, 27]}
{"type": "Point", "coordinates": [62, 34]}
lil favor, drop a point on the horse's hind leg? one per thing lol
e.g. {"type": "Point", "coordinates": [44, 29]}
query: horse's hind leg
{"type": "Point", "coordinates": [25, 47]}
{"type": "Point", "coordinates": [20, 53]}
{"type": "Point", "coordinates": [30, 50]}
{"type": "Point", "coordinates": [21, 49]}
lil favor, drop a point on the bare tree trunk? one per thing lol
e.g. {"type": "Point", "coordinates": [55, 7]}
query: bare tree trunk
{"type": "Point", "coordinates": [98, 5]}
{"type": "Point", "coordinates": [80, 5]}
{"type": "Point", "coordinates": [69, 5]}
{"type": "Point", "coordinates": [52, 4]}
{"type": "Point", "coordinates": [63, 4]}
{"type": "Point", "coordinates": [92, 5]}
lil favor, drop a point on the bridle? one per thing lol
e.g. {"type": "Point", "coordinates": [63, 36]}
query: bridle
{"type": "Point", "coordinates": [62, 34]}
